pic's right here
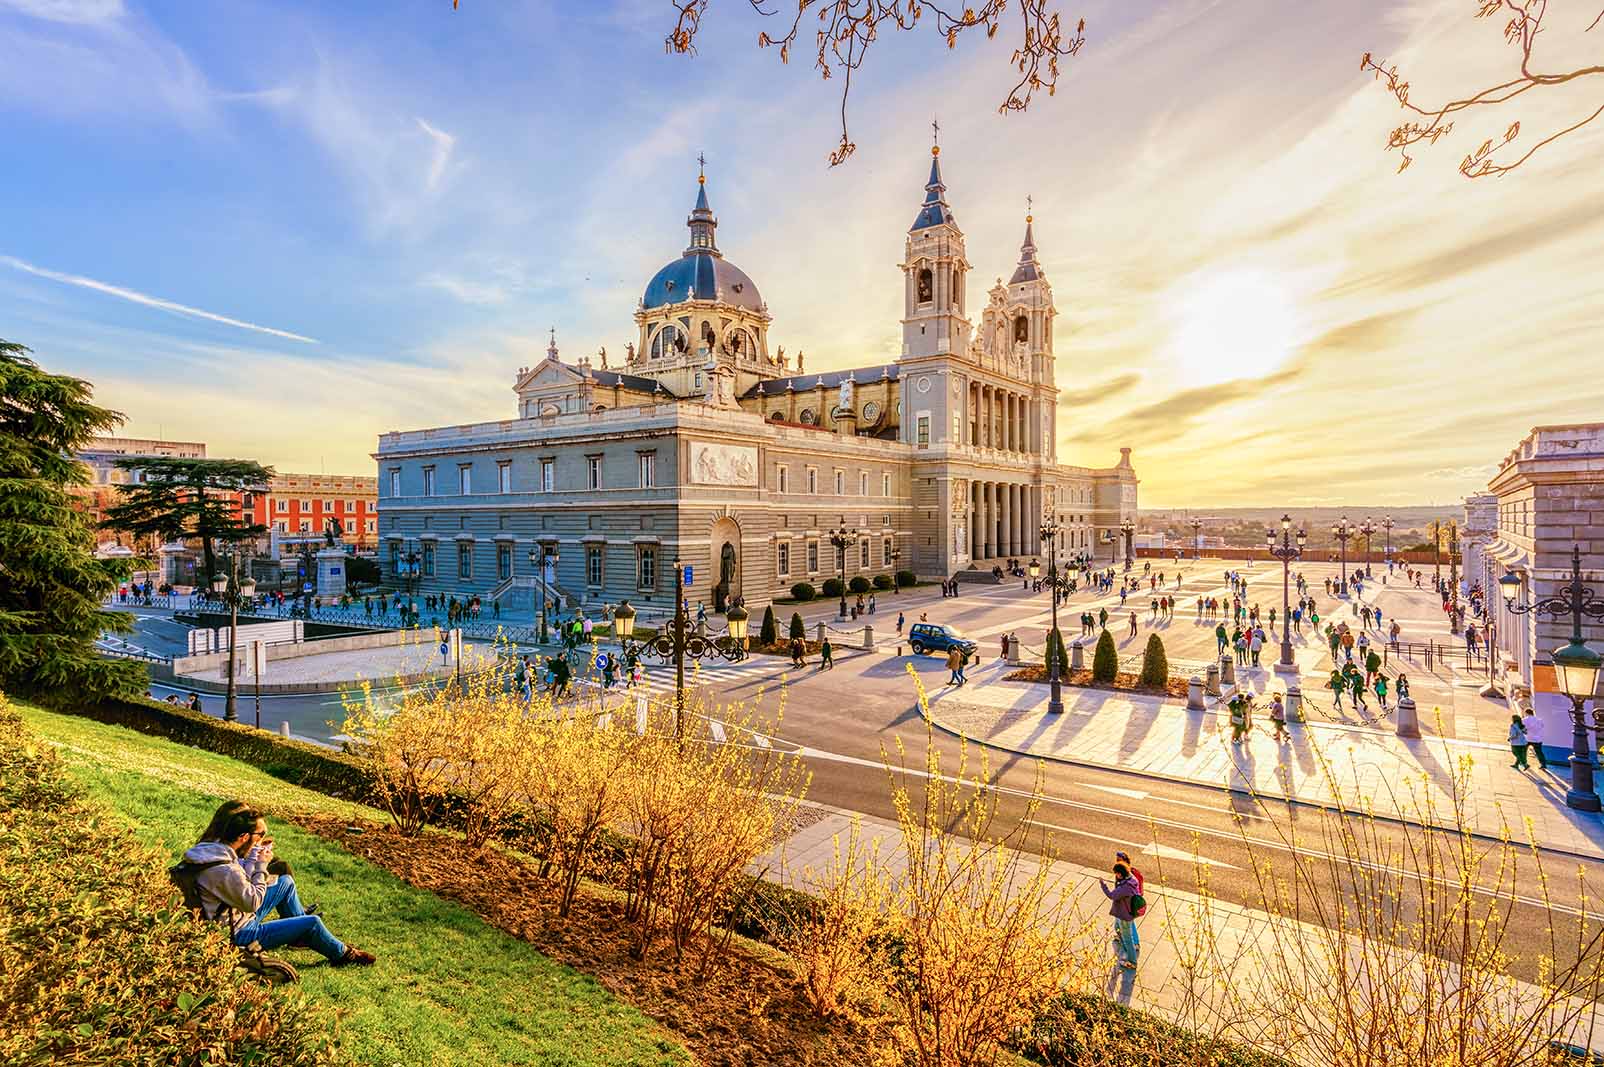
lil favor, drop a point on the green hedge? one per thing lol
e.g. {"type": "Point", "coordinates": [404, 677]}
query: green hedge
{"type": "Point", "coordinates": [803, 591]}
{"type": "Point", "coordinates": [1085, 1030]}
{"type": "Point", "coordinates": [769, 632]}
{"type": "Point", "coordinates": [1055, 644]}
{"type": "Point", "coordinates": [907, 578]}
{"type": "Point", "coordinates": [859, 584]}
{"type": "Point", "coordinates": [832, 587]}
{"type": "Point", "coordinates": [883, 581]}
{"type": "Point", "coordinates": [1155, 663]}
{"type": "Point", "coordinates": [798, 630]}
{"type": "Point", "coordinates": [98, 964]}
{"type": "Point", "coordinates": [1105, 661]}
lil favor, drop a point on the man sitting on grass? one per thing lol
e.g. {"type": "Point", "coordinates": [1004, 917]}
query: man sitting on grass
{"type": "Point", "coordinates": [236, 886]}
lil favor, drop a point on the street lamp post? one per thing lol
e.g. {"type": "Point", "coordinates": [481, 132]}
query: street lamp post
{"type": "Point", "coordinates": [896, 586]}
{"type": "Point", "coordinates": [232, 591]}
{"type": "Point", "coordinates": [1055, 640]}
{"type": "Point", "coordinates": [539, 558]}
{"type": "Point", "coordinates": [1577, 667]}
{"type": "Point", "coordinates": [678, 640]}
{"type": "Point", "coordinates": [1342, 529]}
{"type": "Point", "coordinates": [1128, 528]}
{"type": "Point", "coordinates": [1453, 577]}
{"type": "Point", "coordinates": [1286, 551]}
{"type": "Point", "coordinates": [1366, 529]}
{"type": "Point", "coordinates": [841, 539]}
{"type": "Point", "coordinates": [1436, 554]}
{"type": "Point", "coordinates": [1197, 537]}
{"type": "Point", "coordinates": [1387, 524]}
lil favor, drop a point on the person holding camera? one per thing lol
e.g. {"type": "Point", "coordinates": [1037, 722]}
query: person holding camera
{"type": "Point", "coordinates": [237, 880]}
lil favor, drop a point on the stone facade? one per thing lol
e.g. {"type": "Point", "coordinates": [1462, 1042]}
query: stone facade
{"type": "Point", "coordinates": [1549, 496]}
{"type": "Point", "coordinates": [708, 448]}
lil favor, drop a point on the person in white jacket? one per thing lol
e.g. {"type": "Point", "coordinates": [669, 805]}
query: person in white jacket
{"type": "Point", "coordinates": [236, 887]}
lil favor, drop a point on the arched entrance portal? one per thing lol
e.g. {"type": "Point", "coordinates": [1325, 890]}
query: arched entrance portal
{"type": "Point", "coordinates": [725, 564]}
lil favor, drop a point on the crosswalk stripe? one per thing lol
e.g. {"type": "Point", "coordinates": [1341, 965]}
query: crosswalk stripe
{"type": "Point", "coordinates": [762, 741]}
{"type": "Point", "coordinates": [640, 717]}
{"type": "Point", "coordinates": [718, 730]}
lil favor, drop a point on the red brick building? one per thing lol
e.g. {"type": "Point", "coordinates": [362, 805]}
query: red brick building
{"type": "Point", "coordinates": [302, 504]}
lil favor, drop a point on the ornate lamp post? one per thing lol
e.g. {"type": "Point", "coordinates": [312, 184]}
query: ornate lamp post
{"type": "Point", "coordinates": [1577, 667]}
{"type": "Point", "coordinates": [1128, 528]}
{"type": "Point", "coordinates": [623, 623]}
{"type": "Point", "coordinates": [1387, 524]}
{"type": "Point", "coordinates": [678, 640]}
{"type": "Point", "coordinates": [1436, 554]}
{"type": "Point", "coordinates": [1342, 529]}
{"type": "Point", "coordinates": [1286, 551]}
{"type": "Point", "coordinates": [1197, 537]}
{"type": "Point", "coordinates": [1366, 529]}
{"type": "Point", "coordinates": [840, 539]}
{"type": "Point", "coordinates": [539, 557]}
{"type": "Point", "coordinates": [1453, 577]}
{"type": "Point", "coordinates": [1055, 640]}
{"type": "Point", "coordinates": [233, 592]}
{"type": "Point", "coordinates": [896, 586]}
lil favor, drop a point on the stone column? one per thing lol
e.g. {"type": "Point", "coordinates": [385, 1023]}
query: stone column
{"type": "Point", "coordinates": [974, 520]}
{"type": "Point", "coordinates": [983, 546]}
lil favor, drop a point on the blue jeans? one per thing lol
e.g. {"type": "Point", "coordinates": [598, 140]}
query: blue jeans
{"type": "Point", "coordinates": [1130, 943]}
{"type": "Point", "coordinates": [295, 925]}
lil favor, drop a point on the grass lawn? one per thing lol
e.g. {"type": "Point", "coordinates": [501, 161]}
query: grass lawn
{"type": "Point", "coordinates": [448, 988]}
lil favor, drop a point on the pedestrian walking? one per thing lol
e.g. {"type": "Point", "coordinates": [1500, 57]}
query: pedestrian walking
{"type": "Point", "coordinates": [1381, 690]}
{"type": "Point", "coordinates": [1517, 742]}
{"type": "Point", "coordinates": [955, 662]}
{"type": "Point", "coordinates": [1125, 903]}
{"type": "Point", "coordinates": [1133, 624]}
{"type": "Point", "coordinates": [1220, 639]}
{"type": "Point", "coordinates": [1534, 737]}
{"type": "Point", "coordinates": [826, 655]}
{"type": "Point", "coordinates": [1338, 685]}
{"type": "Point", "coordinates": [798, 651]}
{"type": "Point", "coordinates": [1239, 718]}
{"type": "Point", "coordinates": [900, 621]}
{"type": "Point", "coordinates": [1278, 718]}
{"type": "Point", "coordinates": [1256, 645]}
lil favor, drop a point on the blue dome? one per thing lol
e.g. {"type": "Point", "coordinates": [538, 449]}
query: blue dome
{"type": "Point", "coordinates": [701, 276]}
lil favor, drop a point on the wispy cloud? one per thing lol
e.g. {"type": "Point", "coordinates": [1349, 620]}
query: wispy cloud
{"type": "Point", "coordinates": [443, 145]}
{"type": "Point", "coordinates": [147, 300]}
{"type": "Point", "coordinates": [80, 11]}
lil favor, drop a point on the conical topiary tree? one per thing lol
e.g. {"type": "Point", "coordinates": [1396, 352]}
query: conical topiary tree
{"type": "Point", "coordinates": [1105, 662]}
{"type": "Point", "coordinates": [1155, 664]}
{"type": "Point", "coordinates": [1055, 647]}
{"type": "Point", "coordinates": [770, 630]}
{"type": "Point", "coordinates": [798, 631]}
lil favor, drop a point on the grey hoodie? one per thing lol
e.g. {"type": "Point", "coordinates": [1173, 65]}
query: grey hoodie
{"type": "Point", "coordinates": [233, 884]}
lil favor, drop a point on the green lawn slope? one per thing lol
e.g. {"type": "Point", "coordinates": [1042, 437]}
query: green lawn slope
{"type": "Point", "coordinates": [448, 989]}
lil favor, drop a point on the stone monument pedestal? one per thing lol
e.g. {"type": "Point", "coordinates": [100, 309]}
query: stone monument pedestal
{"type": "Point", "coordinates": [331, 572]}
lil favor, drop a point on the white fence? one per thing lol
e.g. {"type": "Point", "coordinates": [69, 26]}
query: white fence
{"type": "Point", "coordinates": [289, 631]}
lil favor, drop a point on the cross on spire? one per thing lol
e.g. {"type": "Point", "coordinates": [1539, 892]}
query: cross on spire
{"type": "Point", "coordinates": [1030, 204]}
{"type": "Point", "coordinates": [701, 167]}
{"type": "Point", "coordinates": [935, 132]}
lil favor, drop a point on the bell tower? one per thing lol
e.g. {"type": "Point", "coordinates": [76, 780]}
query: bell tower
{"type": "Point", "coordinates": [934, 271]}
{"type": "Point", "coordinates": [1030, 310]}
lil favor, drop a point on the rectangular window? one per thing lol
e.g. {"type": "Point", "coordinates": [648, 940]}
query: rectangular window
{"type": "Point", "coordinates": [957, 426]}
{"type": "Point", "coordinates": [464, 559]}
{"type": "Point", "coordinates": [863, 483]}
{"type": "Point", "coordinates": [548, 475]}
{"type": "Point", "coordinates": [350, 506]}
{"type": "Point", "coordinates": [350, 526]}
{"type": "Point", "coordinates": [464, 479]}
{"type": "Point", "coordinates": [281, 505]}
{"type": "Point", "coordinates": [840, 482]}
{"type": "Point", "coordinates": [782, 559]}
{"type": "Point", "coordinates": [646, 566]}
{"type": "Point", "coordinates": [885, 553]}
{"type": "Point", "coordinates": [428, 559]}
{"type": "Point", "coordinates": [648, 469]}
{"type": "Point", "coordinates": [372, 525]}
{"type": "Point", "coordinates": [784, 483]}
{"type": "Point", "coordinates": [593, 565]}
{"type": "Point", "coordinates": [306, 525]}
{"type": "Point", "coordinates": [504, 476]}
{"type": "Point", "coordinates": [813, 482]}
{"type": "Point", "coordinates": [328, 506]}
{"type": "Point", "coordinates": [281, 526]}
{"type": "Point", "coordinates": [863, 554]}
{"type": "Point", "coordinates": [593, 472]}
{"type": "Point", "coordinates": [922, 437]}
{"type": "Point", "coordinates": [885, 485]}
{"type": "Point", "coordinates": [503, 562]}
{"type": "Point", "coordinates": [428, 481]}
{"type": "Point", "coordinates": [813, 557]}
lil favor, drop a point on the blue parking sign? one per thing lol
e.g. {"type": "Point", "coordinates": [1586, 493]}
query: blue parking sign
{"type": "Point", "coordinates": [688, 570]}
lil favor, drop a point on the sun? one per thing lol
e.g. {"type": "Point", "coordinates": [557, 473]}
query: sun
{"type": "Point", "coordinates": [1240, 322]}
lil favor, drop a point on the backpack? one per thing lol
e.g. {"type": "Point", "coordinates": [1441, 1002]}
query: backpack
{"type": "Point", "coordinates": [1138, 905]}
{"type": "Point", "coordinates": [186, 876]}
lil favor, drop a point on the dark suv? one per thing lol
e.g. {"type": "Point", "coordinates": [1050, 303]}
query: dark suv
{"type": "Point", "coordinates": [933, 637]}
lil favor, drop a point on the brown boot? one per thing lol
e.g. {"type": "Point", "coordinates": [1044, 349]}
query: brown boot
{"type": "Point", "coordinates": [354, 957]}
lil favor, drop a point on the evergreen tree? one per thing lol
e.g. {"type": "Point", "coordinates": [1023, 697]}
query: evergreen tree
{"type": "Point", "coordinates": [1055, 648]}
{"type": "Point", "coordinates": [798, 631]}
{"type": "Point", "coordinates": [51, 584]}
{"type": "Point", "coordinates": [1155, 664]}
{"type": "Point", "coordinates": [1105, 662]}
{"type": "Point", "coordinates": [179, 497]}
{"type": "Point", "coordinates": [769, 633]}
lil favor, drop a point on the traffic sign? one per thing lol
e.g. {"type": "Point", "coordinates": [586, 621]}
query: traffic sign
{"type": "Point", "coordinates": [688, 569]}
{"type": "Point", "coordinates": [601, 661]}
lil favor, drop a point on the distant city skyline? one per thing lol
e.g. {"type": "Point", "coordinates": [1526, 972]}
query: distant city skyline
{"type": "Point", "coordinates": [284, 229]}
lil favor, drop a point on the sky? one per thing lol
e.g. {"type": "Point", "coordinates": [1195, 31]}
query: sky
{"type": "Point", "coordinates": [284, 228]}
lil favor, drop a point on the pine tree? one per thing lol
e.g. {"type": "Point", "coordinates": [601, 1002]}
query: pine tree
{"type": "Point", "coordinates": [1105, 662]}
{"type": "Point", "coordinates": [769, 633]}
{"type": "Point", "coordinates": [1155, 664]}
{"type": "Point", "coordinates": [178, 497]}
{"type": "Point", "coordinates": [51, 584]}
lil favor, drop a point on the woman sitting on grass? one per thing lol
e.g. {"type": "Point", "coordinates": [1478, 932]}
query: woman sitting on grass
{"type": "Point", "coordinates": [235, 885]}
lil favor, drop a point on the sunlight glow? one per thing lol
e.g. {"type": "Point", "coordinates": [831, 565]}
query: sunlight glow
{"type": "Point", "coordinates": [1229, 324]}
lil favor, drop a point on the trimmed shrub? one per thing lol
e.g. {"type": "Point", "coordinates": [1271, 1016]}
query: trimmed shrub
{"type": "Point", "coordinates": [1081, 1028]}
{"type": "Point", "coordinates": [907, 578]}
{"type": "Point", "coordinates": [769, 632]}
{"type": "Point", "coordinates": [803, 591]}
{"type": "Point", "coordinates": [883, 581]}
{"type": "Point", "coordinates": [832, 587]}
{"type": "Point", "coordinates": [1155, 664]}
{"type": "Point", "coordinates": [1105, 663]}
{"type": "Point", "coordinates": [1055, 648]}
{"type": "Point", "coordinates": [859, 584]}
{"type": "Point", "coordinates": [101, 964]}
{"type": "Point", "coordinates": [798, 631]}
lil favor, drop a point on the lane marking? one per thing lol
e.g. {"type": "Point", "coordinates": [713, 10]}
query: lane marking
{"type": "Point", "coordinates": [1133, 794]}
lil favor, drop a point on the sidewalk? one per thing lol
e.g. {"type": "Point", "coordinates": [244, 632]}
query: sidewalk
{"type": "Point", "coordinates": [1368, 768]}
{"type": "Point", "coordinates": [378, 665]}
{"type": "Point", "coordinates": [1177, 921]}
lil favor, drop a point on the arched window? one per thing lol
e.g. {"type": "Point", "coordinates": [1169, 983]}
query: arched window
{"type": "Point", "coordinates": [778, 416]}
{"type": "Point", "coordinates": [807, 418]}
{"type": "Point", "coordinates": [667, 341]}
{"type": "Point", "coordinates": [927, 285]}
{"type": "Point", "coordinates": [598, 409]}
{"type": "Point", "coordinates": [957, 290]}
{"type": "Point", "coordinates": [1021, 328]}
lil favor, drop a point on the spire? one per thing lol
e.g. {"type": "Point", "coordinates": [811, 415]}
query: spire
{"type": "Point", "coordinates": [1029, 269]}
{"type": "Point", "coordinates": [701, 221]}
{"type": "Point", "coordinates": [551, 349]}
{"type": "Point", "coordinates": [935, 209]}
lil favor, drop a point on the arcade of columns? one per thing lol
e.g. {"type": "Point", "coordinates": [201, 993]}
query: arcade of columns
{"type": "Point", "coordinates": [999, 419]}
{"type": "Point", "coordinates": [1003, 516]}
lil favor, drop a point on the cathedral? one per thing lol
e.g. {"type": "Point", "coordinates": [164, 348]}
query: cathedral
{"type": "Point", "coordinates": [708, 445]}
